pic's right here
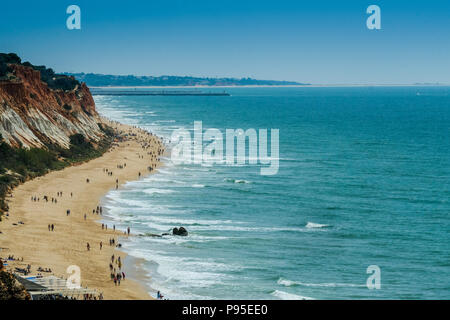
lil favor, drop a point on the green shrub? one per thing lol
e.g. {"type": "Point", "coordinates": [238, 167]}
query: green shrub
{"type": "Point", "coordinates": [53, 80]}
{"type": "Point", "coordinates": [107, 130]}
{"type": "Point", "coordinates": [30, 163]}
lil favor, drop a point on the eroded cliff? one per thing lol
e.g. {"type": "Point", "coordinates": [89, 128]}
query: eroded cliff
{"type": "Point", "coordinates": [34, 115]}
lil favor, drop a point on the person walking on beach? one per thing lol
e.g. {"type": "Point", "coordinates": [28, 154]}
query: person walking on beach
{"type": "Point", "coordinates": [101, 245]}
{"type": "Point", "coordinates": [88, 247]}
{"type": "Point", "coordinates": [53, 227]}
{"type": "Point", "coordinates": [128, 230]}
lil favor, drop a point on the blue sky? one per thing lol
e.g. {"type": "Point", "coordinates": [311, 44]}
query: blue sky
{"type": "Point", "coordinates": [321, 41]}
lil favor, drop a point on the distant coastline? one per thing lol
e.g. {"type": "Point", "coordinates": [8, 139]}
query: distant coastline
{"type": "Point", "coordinates": [101, 80]}
{"type": "Point", "coordinates": [272, 86]}
{"type": "Point", "coordinates": [186, 82]}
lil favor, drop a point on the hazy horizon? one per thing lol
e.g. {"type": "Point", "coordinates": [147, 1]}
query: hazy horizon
{"type": "Point", "coordinates": [300, 82]}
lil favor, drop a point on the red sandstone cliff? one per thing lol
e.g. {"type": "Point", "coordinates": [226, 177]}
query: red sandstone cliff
{"type": "Point", "coordinates": [32, 114]}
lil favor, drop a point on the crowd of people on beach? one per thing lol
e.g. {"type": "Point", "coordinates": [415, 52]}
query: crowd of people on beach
{"type": "Point", "coordinates": [12, 258]}
{"type": "Point", "coordinates": [93, 297]}
{"type": "Point", "coordinates": [115, 268]}
{"type": "Point", "coordinates": [47, 270]}
{"type": "Point", "coordinates": [147, 141]}
{"type": "Point", "coordinates": [45, 198]}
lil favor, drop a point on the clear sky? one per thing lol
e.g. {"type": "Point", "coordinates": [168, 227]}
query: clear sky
{"type": "Point", "coordinates": [320, 41]}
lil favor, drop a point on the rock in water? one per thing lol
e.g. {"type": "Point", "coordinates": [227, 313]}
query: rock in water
{"type": "Point", "coordinates": [180, 232]}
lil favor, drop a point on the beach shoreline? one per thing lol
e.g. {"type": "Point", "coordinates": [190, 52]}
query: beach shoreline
{"type": "Point", "coordinates": [26, 234]}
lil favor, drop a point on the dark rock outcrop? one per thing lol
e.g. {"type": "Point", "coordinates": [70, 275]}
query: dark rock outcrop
{"type": "Point", "coordinates": [180, 232]}
{"type": "Point", "coordinates": [10, 288]}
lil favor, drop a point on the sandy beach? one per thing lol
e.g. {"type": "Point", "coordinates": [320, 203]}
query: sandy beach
{"type": "Point", "coordinates": [25, 233]}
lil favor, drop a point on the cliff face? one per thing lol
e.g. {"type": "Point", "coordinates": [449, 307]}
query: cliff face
{"type": "Point", "coordinates": [32, 114]}
{"type": "Point", "coordinates": [10, 288]}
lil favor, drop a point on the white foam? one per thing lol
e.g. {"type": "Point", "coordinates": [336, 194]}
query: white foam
{"type": "Point", "coordinates": [158, 179]}
{"type": "Point", "coordinates": [157, 191]}
{"type": "Point", "coordinates": [165, 172]}
{"type": "Point", "coordinates": [128, 202]}
{"type": "Point", "coordinates": [246, 229]}
{"type": "Point", "coordinates": [176, 240]}
{"type": "Point", "coordinates": [312, 225]}
{"type": "Point", "coordinates": [289, 296]}
{"type": "Point", "coordinates": [289, 283]}
{"type": "Point", "coordinates": [285, 282]}
{"type": "Point", "coordinates": [182, 221]}
{"type": "Point", "coordinates": [158, 227]}
{"type": "Point", "coordinates": [186, 272]}
{"type": "Point", "coordinates": [241, 181]}
{"type": "Point", "coordinates": [165, 121]}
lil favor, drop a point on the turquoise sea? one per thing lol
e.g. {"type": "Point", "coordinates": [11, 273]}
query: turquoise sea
{"type": "Point", "coordinates": [364, 179]}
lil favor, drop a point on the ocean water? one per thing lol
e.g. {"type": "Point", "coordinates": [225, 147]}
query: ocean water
{"type": "Point", "coordinates": [364, 179]}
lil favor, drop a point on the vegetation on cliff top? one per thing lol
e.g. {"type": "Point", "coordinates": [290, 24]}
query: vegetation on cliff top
{"type": "Point", "coordinates": [18, 165]}
{"type": "Point", "coordinates": [53, 80]}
